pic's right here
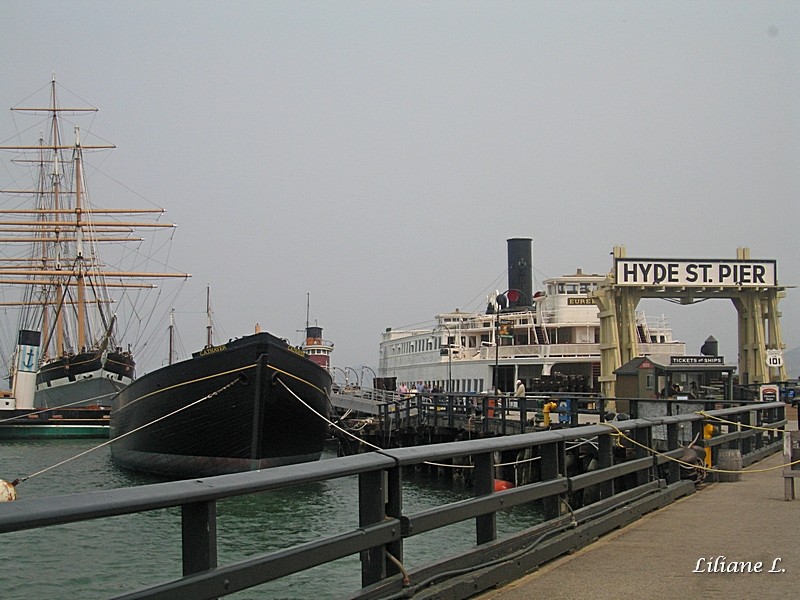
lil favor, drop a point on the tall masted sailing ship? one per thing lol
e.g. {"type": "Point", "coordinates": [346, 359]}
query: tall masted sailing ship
{"type": "Point", "coordinates": [53, 271]}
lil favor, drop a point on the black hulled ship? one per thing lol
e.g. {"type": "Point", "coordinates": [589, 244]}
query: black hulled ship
{"type": "Point", "coordinates": [252, 403]}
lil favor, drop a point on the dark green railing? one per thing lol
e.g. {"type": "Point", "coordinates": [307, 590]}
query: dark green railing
{"type": "Point", "coordinates": [625, 485]}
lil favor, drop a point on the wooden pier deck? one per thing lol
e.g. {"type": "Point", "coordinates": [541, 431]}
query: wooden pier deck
{"type": "Point", "coordinates": [656, 557]}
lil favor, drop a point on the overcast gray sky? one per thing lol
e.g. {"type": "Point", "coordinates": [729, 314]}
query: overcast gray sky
{"type": "Point", "coordinates": [377, 155]}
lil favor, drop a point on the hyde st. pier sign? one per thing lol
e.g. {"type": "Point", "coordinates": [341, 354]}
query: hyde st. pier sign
{"type": "Point", "coordinates": [696, 273]}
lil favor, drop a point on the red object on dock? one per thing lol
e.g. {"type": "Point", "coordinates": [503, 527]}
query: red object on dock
{"type": "Point", "coordinates": [501, 484]}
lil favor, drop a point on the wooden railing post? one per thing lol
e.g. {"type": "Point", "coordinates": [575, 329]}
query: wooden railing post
{"type": "Point", "coordinates": [485, 525]}
{"type": "Point", "coordinates": [550, 469]}
{"type": "Point", "coordinates": [394, 509]}
{"type": "Point", "coordinates": [645, 440]}
{"type": "Point", "coordinates": [747, 442]}
{"type": "Point", "coordinates": [673, 442]}
{"type": "Point", "coordinates": [371, 510]}
{"type": "Point", "coordinates": [199, 536]}
{"type": "Point", "coordinates": [605, 459]}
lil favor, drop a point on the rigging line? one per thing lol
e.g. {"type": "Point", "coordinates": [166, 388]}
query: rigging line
{"type": "Point", "coordinates": [301, 380]}
{"type": "Point", "coordinates": [326, 419]}
{"type": "Point", "coordinates": [185, 383]}
{"type": "Point", "coordinates": [58, 309]}
{"type": "Point", "coordinates": [373, 446]}
{"type": "Point", "coordinates": [377, 449]}
{"type": "Point", "coordinates": [486, 291]}
{"type": "Point", "coordinates": [111, 441]}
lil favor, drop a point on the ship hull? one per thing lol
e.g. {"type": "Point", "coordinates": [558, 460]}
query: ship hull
{"type": "Point", "coordinates": [86, 379]}
{"type": "Point", "coordinates": [225, 410]}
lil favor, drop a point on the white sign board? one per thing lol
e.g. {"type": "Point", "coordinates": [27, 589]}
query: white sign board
{"type": "Point", "coordinates": [774, 358]}
{"type": "Point", "coordinates": [696, 273]}
{"type": "Point", "coordinates": [769, 393]}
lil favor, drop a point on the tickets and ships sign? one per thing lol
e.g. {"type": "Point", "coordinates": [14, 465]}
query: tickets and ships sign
{"type": "Point", "coordinates": [696, 273]}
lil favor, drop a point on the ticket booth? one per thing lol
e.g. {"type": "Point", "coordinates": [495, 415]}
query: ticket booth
{"type": "Point", "coordinates": [672, 385]}
{"type": "Point", "coordinates": [676, 377]}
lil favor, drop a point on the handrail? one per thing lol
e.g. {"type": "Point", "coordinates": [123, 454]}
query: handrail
{"type": "Point", "coordinates": [382, 523]}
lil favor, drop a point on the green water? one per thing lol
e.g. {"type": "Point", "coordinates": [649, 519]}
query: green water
{"type": "Point", "coordinates": [107, 557]}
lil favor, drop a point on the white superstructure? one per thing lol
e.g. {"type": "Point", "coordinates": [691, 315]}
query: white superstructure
{"type": "Point", "coordinates": [549, 342]}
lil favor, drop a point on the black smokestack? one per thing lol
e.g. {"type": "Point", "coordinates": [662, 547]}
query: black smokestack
{"type": "Point", "coordinates": [520, 272]}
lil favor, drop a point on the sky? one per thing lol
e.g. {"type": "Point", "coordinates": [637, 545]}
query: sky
{"type": "Point", "coordinates": [374, 157]}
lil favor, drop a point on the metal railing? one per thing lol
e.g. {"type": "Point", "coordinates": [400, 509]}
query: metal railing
{"type": "Point", "coordinates": [509, 415]}
{"type": "Point", "coordinates": [629, 476]}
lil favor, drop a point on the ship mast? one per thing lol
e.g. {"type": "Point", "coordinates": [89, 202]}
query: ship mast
{"type": "Point", "coordinates": [171, 336]}
{"type": "Point", "coordinates": [65, 273]}
{"type": "Point", "coordinates": [56, 186]}
{"type": "Point", "coordinates": [209, 331]}
{"type": "Point", "coordinates": [79, 243]}
{"type": "Point", "coordinates": [308, 309]}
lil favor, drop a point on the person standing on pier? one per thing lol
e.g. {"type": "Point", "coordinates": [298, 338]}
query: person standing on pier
{"type": "Point", "coordinates": [520, 391]}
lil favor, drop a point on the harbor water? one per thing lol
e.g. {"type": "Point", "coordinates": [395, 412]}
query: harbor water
{"type": "Point", "coordinates": [108, 557]}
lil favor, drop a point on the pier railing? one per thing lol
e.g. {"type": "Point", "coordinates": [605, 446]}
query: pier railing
{"type": "Point", "coordinates": [630, 477]}
{"type": "Point", "coordinates": [507, 415]}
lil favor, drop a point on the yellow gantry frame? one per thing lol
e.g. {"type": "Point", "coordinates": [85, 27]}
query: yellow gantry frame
{"type": "Point", "coordinates": [759, 324]}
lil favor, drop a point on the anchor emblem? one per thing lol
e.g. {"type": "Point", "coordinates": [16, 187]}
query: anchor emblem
{"type": "Point", "coordinates": [29, 362]}
{"type": "Point", "coordinates": [28, 358]}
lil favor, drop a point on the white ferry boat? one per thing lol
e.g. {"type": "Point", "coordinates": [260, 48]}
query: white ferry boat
{"type": "Point", "coordinates": [548, 339]}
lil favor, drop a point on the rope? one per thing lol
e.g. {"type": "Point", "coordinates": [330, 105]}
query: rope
{"type": "Point", "coordinates": [721, 420]}
{"type": "Point", "coordinates": [326, 419]}
{"type": "Point", "coordinates": [691, 465]}
{"type": "Point", "coordinates": [111, 441]}
{"type": "Point", "coordinates": [355, 437]}
{"type": "Point", "coordinates": [378, 448]}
